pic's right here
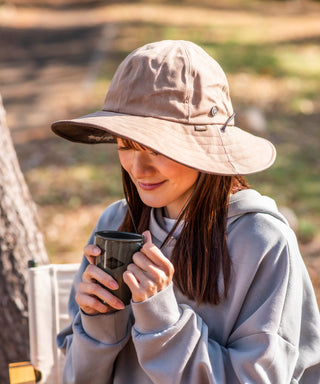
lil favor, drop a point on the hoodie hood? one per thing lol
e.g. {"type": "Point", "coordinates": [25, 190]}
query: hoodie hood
{"type": "Point", "coordinates": [251, 201]}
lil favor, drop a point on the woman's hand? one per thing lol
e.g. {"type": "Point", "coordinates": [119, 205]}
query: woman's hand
{"type": "Point", "coordinates": [91, 297]}
{"type": "Point", "coordinates": [149, 273]}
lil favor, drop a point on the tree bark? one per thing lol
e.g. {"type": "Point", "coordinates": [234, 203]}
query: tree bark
{"type": "Point", "coordinates": [20, 241]}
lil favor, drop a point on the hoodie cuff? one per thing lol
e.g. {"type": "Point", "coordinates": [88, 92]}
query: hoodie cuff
{"type": "Point", "coordinates": [157, 313]}
{"type": "Point", "coordinates": [108, 328]}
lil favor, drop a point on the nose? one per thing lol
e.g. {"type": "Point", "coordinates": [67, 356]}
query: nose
{"type": "Point", "coordinates": [141, 164]}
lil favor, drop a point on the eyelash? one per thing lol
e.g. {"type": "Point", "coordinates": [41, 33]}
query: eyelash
{"type": "Point", "coordinates": [124, 148]}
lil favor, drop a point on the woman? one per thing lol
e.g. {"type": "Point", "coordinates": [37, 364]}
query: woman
{"type": "Point", "coordinates": [220, 293]}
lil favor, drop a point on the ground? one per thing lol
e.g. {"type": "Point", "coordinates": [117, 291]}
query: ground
{"type": "Point", "coordinates": [56, 62]}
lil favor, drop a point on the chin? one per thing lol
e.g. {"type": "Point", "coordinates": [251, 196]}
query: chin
{"type": "Point", "coordinates": [153, 204]}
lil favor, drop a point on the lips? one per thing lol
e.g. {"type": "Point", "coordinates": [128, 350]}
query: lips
{"type": "Point", "coordinates": [150, 186]}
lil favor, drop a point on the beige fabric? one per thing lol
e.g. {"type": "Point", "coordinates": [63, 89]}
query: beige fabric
{"type": "Point", "coordinates": [172, 97]}
{"type": "Point", "coordinates": [48, 293]}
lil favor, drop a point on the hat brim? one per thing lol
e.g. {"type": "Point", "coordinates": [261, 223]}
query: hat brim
{"type": "Point", "coordinates": [205, 148]}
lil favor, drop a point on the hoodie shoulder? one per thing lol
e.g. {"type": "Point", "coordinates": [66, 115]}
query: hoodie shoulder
{"type": "Point", "coordinates": [251, 201]}
{"type": "Point", "coordinates": [256, 226]}
{"type": "Point", "coordinates": [112, 217]}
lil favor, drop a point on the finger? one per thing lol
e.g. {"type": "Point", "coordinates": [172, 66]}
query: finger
{"type": "Point", "coordinates": [147, 237]}
{"type": "Point", "coordinates": [95, 274]}
{"type": "Point", "coordinates": [91, 251]}
{"type": "Point", "coordinates": [141, 260]}
{"type": "Point", "coordinates": [96, 291]}
{"type": "Point", "coordinates": [91, 305]}
{"type": "Point", "coordinates": [149, 269]}
{"type": "Point", "coordinates": [144, 282]}
{"type": "Point", "coordinates": [94, 283]}
{"type": "Point", "coordinates": [140, 286]}
{"type": "Point", "coordinates": [91, 297]}
{"type": "Point", "coordinates": [106, 297]}
{"type": "Point", "coordinates": [151, 273]}
{"type": "Point", "coordinates": [155, 254]}
{"type": "Point", "coordinates": [131, 280]}
{"type": "Point", "coordinates": [136, 272]}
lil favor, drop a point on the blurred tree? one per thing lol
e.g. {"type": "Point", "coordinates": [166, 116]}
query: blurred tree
{"type": "Point", "coordinates": [20, 241]}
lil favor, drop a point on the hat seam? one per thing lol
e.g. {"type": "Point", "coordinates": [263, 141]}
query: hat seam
{"type": "Point", "coordinates": [226, 153]}
{"type": "Point", "coordinates": [189, 91]}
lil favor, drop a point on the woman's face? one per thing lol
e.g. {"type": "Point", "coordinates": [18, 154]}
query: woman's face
{"type": "Point", "coordinates": [160, 181]}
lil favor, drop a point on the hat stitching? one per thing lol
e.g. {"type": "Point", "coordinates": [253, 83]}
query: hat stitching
{"type": "Point", "coordinates": [188, 73]}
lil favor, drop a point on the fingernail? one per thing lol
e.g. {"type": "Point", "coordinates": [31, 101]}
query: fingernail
{"type": "Point", "coordinates": [113, 285]}
{"type": "Point", "coordinates": [120, 305]}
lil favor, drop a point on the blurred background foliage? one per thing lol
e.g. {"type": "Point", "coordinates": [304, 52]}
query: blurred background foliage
{"type": "Point", "coordinates": [57, 59]}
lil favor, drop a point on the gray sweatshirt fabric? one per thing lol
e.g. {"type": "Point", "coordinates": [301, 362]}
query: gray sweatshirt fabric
{"type": "Point", "coordinates": [267, 331]}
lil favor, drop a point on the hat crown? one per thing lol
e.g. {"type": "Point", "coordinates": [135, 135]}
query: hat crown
{"type": "Point", "coordinates": [171, 80]}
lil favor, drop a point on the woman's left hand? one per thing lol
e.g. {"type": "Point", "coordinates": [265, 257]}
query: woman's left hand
{"type": "Point", "coordinates": [150, 272]}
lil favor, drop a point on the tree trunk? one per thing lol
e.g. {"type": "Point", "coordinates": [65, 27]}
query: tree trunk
{"type": "Point", "coordinates": [20, 241]}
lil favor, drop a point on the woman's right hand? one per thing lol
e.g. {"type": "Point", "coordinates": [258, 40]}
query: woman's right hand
{"type": "Point", "coordinates": [91, 297]}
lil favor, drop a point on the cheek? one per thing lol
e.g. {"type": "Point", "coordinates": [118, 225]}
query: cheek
{"type": "Point", "coordinates": [185, 177]}
{"type": "Point", "coordinates": [124, 159]}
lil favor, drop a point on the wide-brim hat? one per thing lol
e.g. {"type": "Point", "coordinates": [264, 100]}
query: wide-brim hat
{"type": "Point", "coordinates": [172, 97]}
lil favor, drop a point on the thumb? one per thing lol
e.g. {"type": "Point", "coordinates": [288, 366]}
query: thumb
{"type": "Point", "coordinates": [147, 237]}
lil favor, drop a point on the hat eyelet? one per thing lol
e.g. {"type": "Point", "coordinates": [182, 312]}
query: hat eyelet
{"type": "Point", "coordinates": [214, 111]}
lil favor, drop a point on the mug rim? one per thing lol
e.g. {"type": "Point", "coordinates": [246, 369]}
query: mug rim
{"type": "Point", "coordinates": [116, 236]}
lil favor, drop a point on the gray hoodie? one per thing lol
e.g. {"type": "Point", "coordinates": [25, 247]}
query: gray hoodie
{"type": "Point", "coordinates": [266, 331]}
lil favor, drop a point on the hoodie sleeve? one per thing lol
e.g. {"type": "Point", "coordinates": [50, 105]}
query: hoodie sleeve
{"type": "Point", "coordinates": [262, 318]}
{"type": "Point", "coordinates": [92, 343]}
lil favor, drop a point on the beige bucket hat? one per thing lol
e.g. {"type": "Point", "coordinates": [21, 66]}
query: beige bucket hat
{"type": "Point", "coordinates": [173, 98]}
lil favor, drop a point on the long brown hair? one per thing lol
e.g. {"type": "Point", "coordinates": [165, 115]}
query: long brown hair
{"type": "Point", "coordinates": [200, 254]}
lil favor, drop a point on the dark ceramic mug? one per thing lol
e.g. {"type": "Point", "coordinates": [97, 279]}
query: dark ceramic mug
{"type": "Point", "coordinates": [117, 249]}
